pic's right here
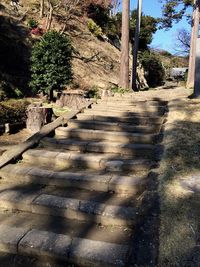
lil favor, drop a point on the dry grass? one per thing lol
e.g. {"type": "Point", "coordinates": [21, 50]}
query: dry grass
{"type": "Point", "coordinates": [179, 194]}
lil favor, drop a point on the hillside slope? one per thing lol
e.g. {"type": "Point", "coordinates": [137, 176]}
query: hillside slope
{"type": "Point", "coordinates": [96, 62]}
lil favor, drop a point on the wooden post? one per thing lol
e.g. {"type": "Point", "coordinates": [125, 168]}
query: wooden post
{"type": "Point", "coordinates": [124, 64]}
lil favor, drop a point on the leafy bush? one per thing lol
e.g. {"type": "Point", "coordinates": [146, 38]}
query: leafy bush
{"type": "Point", "coordinates": [154, 70]}
{"type": "Point", "coordinates": [51, 66]}
{"type": "Point", "coordinates": [119, 90]}
{"type": "Point", "coordinates": [12, 111]}
{"type": "Point", "coordinates": [93, 93]}
{"type": "Point", "coordinates": [7, 91]}
{"type": "Point", "coordinates": [32, 24]}
{"type": "Point", "coordinates": [99, 14]}
{"type": "Point", "coordinates": [94, 28]}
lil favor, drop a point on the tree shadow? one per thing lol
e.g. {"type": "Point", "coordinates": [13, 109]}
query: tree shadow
{"type": "Point", "coordinates": [14, 54]}
{"type": "Point", "coordinates": [141, 235]}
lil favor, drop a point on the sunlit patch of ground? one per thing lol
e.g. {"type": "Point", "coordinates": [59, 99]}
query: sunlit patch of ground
{"type": "Point", "coordinates": [179, 186]}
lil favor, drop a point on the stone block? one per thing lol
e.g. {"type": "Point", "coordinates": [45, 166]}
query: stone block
{"type": "Point", "coordinates": [45, 244]}
{"type": "Point", "coordinates": [89, 253]}
{"type": "Point", "coordinates": [10, 237]}
{"type": "Point", "coordinates": [56, 206]}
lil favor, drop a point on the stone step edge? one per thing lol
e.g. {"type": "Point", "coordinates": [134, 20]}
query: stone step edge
{"type": "Point", "coordinates": [114, 133]}
{"type": "Point", "coordinates": [145, 150]}
{"type": "Point", "coordinates": [96, 161]}
{"type": "Point", "coordinates": [120, 124]}
{"type": "Point", "coordinates": [70, 208]}
{"type": "Point", "coordinates": [122, 119]}
{"type": "Point", "coordinates": [100, 183]}
{"type": "Point", "coordinates": [49, 245]}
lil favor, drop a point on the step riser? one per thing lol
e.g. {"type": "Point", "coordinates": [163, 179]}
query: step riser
{"type": "Point", "coordinates": [25, 175]}
{"type": "Point", "coordinates": [127, 101]}
{"type": "Point", "coordinates": [89, 214]}
{"type": "Point", "coordinates": [145, 107]}
{"type": "Point", "coordinates": [125, 110]}
{"type": "Point", "coordinates": [124, 189]}
{"type": "Point", "coordinates": [62, 164]}
{"type": "Point", "coordinates": [145, 153]}
{"type": "Point", "coordinates": [99, 112]}
{"type": "Point", "coordinates": [116, 128]}
{"type": "Point", "coordinates": [144, 139]}
{"type": "Point", "coordinates": [110, 118]}
{"type": "Point", "coordinates": [54, 249]}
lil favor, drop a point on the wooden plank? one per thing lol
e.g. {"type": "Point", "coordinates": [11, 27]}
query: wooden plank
{"type": "Point", "coordinates": [34, 140]}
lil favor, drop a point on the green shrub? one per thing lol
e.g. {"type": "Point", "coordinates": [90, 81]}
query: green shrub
{"type": "Point", "coordinates": [93, 93]}
{"type": "Point", "coordinates": [7, 91]}
{"type": "Point", "coordinates": [94, 28]}
{"type": "Point", "coordinates": [154, 70]}
{"type": "Point", "coordinates": [12, 111]}
{"type": "Point", "coordinates": [119, 90]}
{"type": "Point", "coordinates": [51, 66]}
{"type": "Point", "coordinates": [32, 23]}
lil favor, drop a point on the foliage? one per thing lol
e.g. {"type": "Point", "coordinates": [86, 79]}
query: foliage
{"type": "Point", "coordinates": [12, 111]}
{"type": "Point", "coordinates": [182, 45]}
{"type": "Point", "coordinates": [119, 90]}
{"type": "Point", "coordinates": [94, 28]}
{"type": "Point", "coordinates": [112, 27]}
{"type": "Point", "coordinates": [51, 63]}
{"type": "Point", "coordinates": [14, 54]}
{"type": "Point", "coordinates": [99, 14]}
{"type": "Point", "coordinates": [148, 28]}
{"type": "Point", "coordinates": [93, 93]}
{"type": "Point", "coordinates": [154, 70]}
{"type": "Point", "coordinates": [174, 10]}
{"type": "Point", "coordinates": [7, 91]}
{"type": "Point", "coordinates": [32, 23]}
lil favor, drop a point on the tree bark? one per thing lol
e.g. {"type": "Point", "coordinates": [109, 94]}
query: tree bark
{"type": "Point", "coordinates": [194, 34]}
{"type": "Point", "coordinates": [41, 8]}
{"type": "Point", "coordinates": [49, 17]}
{"type": "Point", "coordinates": [124, 64]}
{"type": "Point", "coordinates": [37, 117]}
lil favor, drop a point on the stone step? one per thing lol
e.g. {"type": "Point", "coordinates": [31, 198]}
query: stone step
{"type": "Point", "coordinates": [122, 113]}
{"type": "Point", "coordinates": [134, 150]}
{"type": "Point", "coordinates": [113, 126]}
{"type": "Point", "coordinates": [134, 110]}
{"type": "Point", "coordinates": [131, 101]}
{"type": "Point", "coordinates": [36, 201]}
{"type": "Point", "coordinates": [101, 135]}
{"type": "Point", "coordinates": [24, 174]}
{"type": "Point", "coordinates": [64, 160]}
{"type": "Point", "coordinates": [127, 119]}
{"type": "Point", "coordinates": [48, 246]}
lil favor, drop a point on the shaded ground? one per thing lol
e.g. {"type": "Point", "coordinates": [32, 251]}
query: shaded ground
{"type": "Point", "coordinates": [175, 231]}
{"type": "Point", "coordinates": [6, 140]}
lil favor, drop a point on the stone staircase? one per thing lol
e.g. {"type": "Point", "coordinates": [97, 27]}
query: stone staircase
{"type": "Point", "coordinates": [77, 198]}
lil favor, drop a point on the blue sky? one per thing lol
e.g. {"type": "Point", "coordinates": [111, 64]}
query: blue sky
{"type": "Point", "coordinates": [162, 39]}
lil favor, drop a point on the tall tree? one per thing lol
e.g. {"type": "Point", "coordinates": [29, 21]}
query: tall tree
{"type": "Point", "coordinates": [175, 10]}
{"type": "Point", "coordinates": [41, 8]}
{"type": "Point", "coordinates": [182, 43]}
{"type": "Point", "coordinates": [124, 64]}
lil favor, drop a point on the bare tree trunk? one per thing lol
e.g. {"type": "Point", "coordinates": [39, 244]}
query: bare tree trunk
{"type": "Point", "coordinates": [194, 33]}
{"type": "Point", "coordinates": [124, 64]}
{"type": "Point", "coordinates": [41, 8]}
{"type": "Point", "coordinates": [136, 47]}
{"type": "Point", "coordinates": [49, 17]}
{"type": "Point", "coordinates": [196, 93]}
